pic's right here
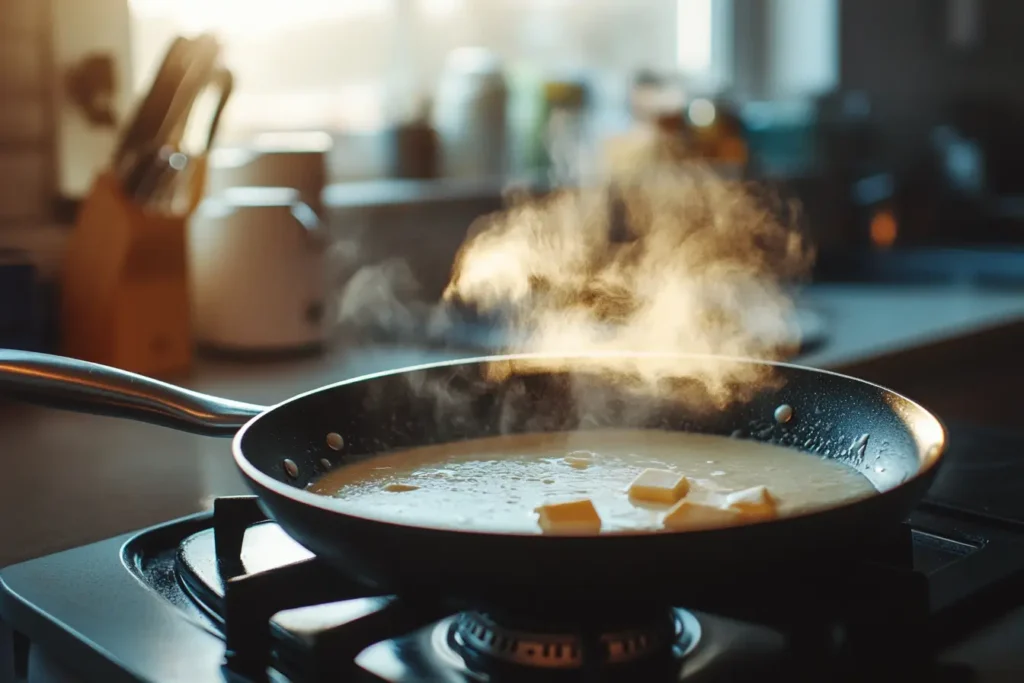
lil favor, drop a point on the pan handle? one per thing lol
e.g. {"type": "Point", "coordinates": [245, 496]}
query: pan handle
{"type": "Point", "coordinates": [60, 382]}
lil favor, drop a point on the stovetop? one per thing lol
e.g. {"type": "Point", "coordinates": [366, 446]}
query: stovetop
{"type": "Point", "coordinates": [227, 595]}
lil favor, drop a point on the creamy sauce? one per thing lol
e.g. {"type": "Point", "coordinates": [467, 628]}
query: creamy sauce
{"type": "Point", "coordinates": [495, 484]}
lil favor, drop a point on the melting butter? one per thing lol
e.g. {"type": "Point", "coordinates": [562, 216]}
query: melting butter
{"type": "Point", "coordinates": [496, 484]}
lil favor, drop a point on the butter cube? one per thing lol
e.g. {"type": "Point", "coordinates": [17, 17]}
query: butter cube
{"type": "Point", "coordinates": [688, 515]}
{"type": "Point", "coordinates": [752, 504]}
{"type": "Point", "coordinates": [576, 516]}
{"type": "Point", "coordinates": [659, 486]}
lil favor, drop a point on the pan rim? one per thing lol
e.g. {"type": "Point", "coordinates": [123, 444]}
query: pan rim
{"type": "Point", "coordinates": [928, 458]}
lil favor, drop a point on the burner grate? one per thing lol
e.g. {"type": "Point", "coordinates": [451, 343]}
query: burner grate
{"type": "Point", "coordinates": [278, 605]}
{"type": "Point", "coordinates": [258, 608]}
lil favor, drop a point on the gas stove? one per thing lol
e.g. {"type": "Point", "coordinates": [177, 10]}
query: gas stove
{"type": "Point", "coordinates": [227, 595]}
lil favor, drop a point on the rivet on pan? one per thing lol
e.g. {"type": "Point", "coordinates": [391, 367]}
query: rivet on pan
{"type": "Point", "coordinates": [325, 463]}
{"type": "Point", "coordinates": [335, 441]}
{"type": "Point", "coordinates": [290, 468]}
{"type": "Point", "coordinates": [784, 413]}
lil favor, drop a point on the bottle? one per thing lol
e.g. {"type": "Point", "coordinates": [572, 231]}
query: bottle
{"type": "Point", "coordinates": [470, 114]}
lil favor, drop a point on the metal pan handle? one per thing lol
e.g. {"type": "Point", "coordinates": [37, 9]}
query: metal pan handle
{"type": "Point", "coordinates": [60, 382]}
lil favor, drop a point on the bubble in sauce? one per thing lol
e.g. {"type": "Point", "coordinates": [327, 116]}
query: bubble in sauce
{"type": "Point", "coordinates": [579, 460]}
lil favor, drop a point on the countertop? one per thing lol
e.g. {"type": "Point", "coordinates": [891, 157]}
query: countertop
{"type": "Point", "coordinates": [69, 479]}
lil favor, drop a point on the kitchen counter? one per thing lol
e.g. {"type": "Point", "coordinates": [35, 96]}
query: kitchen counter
{"type": "Point", "coordinates": [69, 479]}
{"type": "Point", "coordinates": [866, 322]}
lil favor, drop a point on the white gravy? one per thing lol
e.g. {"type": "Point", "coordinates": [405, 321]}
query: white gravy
{"type": "Point", "coordinates": [495, 484]}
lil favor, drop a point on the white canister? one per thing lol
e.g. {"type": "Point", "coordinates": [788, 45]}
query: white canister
{"type": "Point", "coordinates": [258, 272]}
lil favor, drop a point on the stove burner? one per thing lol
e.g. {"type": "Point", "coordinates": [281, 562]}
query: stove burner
{"type": "Point", "coordinates": [484, 640]}
{"type": "Point", "coordinates": [214, 597]}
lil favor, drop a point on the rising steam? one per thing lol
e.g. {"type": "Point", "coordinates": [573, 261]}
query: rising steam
{"type": "Point", "coordinates": [657, 258]}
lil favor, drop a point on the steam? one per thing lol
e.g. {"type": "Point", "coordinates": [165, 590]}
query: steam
{"type": "Point", "coordinates": [656, 272]}
{"type": "Point", "coordinates": [382, 296]}
{"type": "Point", "coordinates": [656, 259]}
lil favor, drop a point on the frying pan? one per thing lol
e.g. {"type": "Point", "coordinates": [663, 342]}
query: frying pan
{"type": "Point", "coordinates": [894, 442]}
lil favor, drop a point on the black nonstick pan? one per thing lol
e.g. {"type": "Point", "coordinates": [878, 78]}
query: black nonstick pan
{"type": "Point", "coordinates": [280, 450]}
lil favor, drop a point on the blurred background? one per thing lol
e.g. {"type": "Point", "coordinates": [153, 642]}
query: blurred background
{"type": "Point", "coordinates": [255, 197]}
{"type": "Point", "coordinates": [398, 122]}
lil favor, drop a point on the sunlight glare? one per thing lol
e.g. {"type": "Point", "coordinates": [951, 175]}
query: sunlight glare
{"type": "Point", "coordinates": [252, 17]}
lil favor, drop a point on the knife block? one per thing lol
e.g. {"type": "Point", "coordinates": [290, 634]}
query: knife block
{"type": "Point", "coordinates": [124, 285]}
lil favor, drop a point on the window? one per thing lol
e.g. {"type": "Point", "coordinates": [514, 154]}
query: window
{"type": "Point", "coordinates": [703, 43]}
{"type": "Point", "coordinates": [298, 63]}
{"type": "Point", "coordinates": [346, 64]}
{"type": "Point", "coordinates": [804, 47]}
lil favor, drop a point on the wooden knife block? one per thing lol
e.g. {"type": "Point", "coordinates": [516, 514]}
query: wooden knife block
{"type": "Point", "coordinates": [124, 288]}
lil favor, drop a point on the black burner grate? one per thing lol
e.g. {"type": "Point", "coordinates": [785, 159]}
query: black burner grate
{"type": "Point", "coordinates": [887, 603]}
{"type": "Point", "coordinates": [245, 603]}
